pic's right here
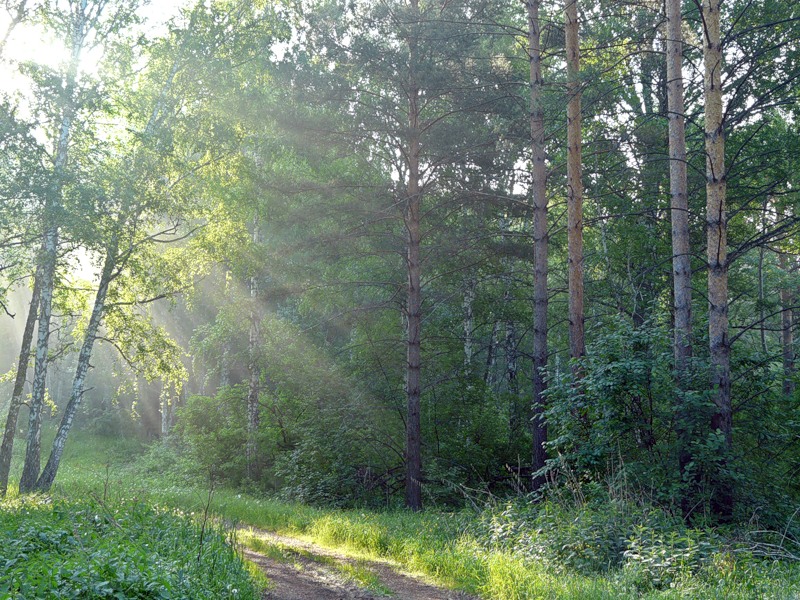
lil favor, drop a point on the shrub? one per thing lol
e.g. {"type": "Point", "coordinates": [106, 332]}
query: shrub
{"type": "Point", "coordinates": [597, 533]}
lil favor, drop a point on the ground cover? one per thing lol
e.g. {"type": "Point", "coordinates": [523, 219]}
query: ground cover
{"type": "Point", "coordinates": [66, 548]}
{"type": "Point", "coordinates": [599, 549]}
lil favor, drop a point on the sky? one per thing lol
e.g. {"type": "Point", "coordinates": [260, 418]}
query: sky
{"type": "Point", "coordinates": [28, 42]}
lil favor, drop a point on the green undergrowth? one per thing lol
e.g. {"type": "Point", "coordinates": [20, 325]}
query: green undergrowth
{"type": "Point", "coordinates": [58, 548]}
{"type": "Point", "coordinates": [605, 548]}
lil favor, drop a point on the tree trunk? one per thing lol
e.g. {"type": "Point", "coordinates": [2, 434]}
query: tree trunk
{"type": "Point", "coordinates": [225, 357]}
{"type": "Point", "coordinates": [254, 367]}
{"type": "Point", "coordinates": [48, 475]}
{"type": "Point", "coordinates": [30, 468]}
{"type": "Point", "coordinates": [716, 234]}
{"type": "Point", "coordinates": [518, 415]}
{"type": "Point", "coordinates": [413, 215]}
{"type": "Point", "coordinates": [7, 448]}
{"type": "Point", "coordinates": [18, 13]}
{"type": "Point", "coordinates": [787, 340]}
{"type": "Point", "coordinates": [577, 343]}
{"type": "Point", "coordinates": [510, 350]}
{"type": "Point", "coordinates": [540, 245]}
{"type": "Point", "coordinates": [681, 259]}
{"type": "Point", "coordinates": [48, 259]}
{"type": "Point", "coordinates": [469, 322]}
{"type": "Point", "coordinates": [489, 373]}
{"type": "Point", "coordinates": [762, 251]}
{"type": "Point", "coordinates": [169, 406]}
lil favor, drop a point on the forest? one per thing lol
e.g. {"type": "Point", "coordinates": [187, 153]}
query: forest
{"type": "Point", "coordinates": [505, 292]}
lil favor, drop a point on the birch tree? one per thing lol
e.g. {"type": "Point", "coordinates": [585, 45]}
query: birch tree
{"type": "Point", "coordinates": [80, 20]}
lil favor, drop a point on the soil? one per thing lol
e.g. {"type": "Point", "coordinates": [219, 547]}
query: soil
{"type": "Point", "coordinates": [300, 570]}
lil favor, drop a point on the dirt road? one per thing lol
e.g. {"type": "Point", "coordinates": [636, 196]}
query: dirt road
{"type": "Point", "coordinates": [300, 570]}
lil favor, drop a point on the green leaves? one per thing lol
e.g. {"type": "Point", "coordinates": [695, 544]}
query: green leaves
{"type": "Point", "coordinates": [93, 550]}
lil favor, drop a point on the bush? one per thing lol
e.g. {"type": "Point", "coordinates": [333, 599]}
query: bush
{"type": "Point", "coordinates": [598, 534]}
{"type": "Point", "coordinates": [213, 432]}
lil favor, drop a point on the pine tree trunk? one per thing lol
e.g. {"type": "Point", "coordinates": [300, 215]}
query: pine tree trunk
{"type": "Point", "coordinates": [7, 448]}
{"type": "Point", "coordinates": [413, 483]}
{"type": "Point", "coordinates": [681, 259]}
{"type": "Point", "coordinates": [762, 299]}
{"type": "Point", "coordinates": [45, 481]}
{"type": "Point", "coordinates": [517, 415]}
{"type": "Point", "coordinates": [577, 341]}
{"type": "Point", "coordinates": [510, 350]}
{"type": "Point", "coordinates": [540, 245]}
{"type": "Point", "coordinates": [716, 234]}
{"type": "Point", "coordinates": [414, 308]}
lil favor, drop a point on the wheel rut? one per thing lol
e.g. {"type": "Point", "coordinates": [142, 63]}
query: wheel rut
{"type": "Point", "coordinates": [301, 570]}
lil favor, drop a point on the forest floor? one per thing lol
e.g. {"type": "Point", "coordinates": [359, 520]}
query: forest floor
{"type": "Point", "coordinates": [300, 570]}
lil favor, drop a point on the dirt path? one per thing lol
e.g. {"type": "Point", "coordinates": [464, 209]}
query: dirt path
{"type": "Point", "coordinates": [300, 570]}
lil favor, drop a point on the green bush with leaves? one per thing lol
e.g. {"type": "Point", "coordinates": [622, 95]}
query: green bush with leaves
{"type": "Point", "coordinates": [213, 432]}
{"type": "Point", "coordinates": [623, 410]}
{"type": "Point", "coordinates": [595, 532]}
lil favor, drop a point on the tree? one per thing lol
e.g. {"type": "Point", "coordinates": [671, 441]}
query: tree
{"type": "Point", "coordinates": [10, 430]}
{"type": "Point", "coordinates": [77, 25]}
{"type": "Point", "coordinates": [253, 363]}
{"type": "Point", "coordinates": [18, 12]}
{"type": "Point", "coordinates": [717, 245]}
{"type": "Point", "coordinates": [540, 242]}
{"type": "Point", "coordinates": [577, 341]}
{"type": "Point", "coordinates": [681, 257]}
{"type": "Point", "coordinates": [407, 103]}
{"type": "Point", "coordinates": [130, 214]}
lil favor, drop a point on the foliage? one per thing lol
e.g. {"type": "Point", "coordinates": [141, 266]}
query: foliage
{"type": "Point", "coordinates": [91, 549]}
{"type": "Point", "coordinates": [214, 431]}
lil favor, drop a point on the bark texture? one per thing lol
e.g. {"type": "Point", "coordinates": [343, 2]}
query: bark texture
{"type": "Point", "coordinates": [716, 239]}
{"type": "Point", "coordinates": [577, 343]}
{"type": "Point", "coordinates": [254, 366]}
{"type": "Point", "coordinates": [681, 260]}
{"type": "Point", "coordinates": [469, 322]}
{"type": "Point", "coordinates": [540, 244]}
{"type": "Point", "coordinates": [681, 264]}
{"type": "Point", "coordinates": [413, 483]}
{"type": "Point", "coordinates": [7, 448]}
{"type": "Point", "coordinates": [45, 481]}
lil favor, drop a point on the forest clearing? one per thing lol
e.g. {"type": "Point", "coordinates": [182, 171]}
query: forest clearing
{"type": "Point", "coordinates": [420, 299]}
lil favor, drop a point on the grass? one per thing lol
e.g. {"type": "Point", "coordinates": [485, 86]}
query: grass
{"type": "Point", "coordinates": [450, 548]}
{"type": "Point", "coordinates": [58, 548]}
